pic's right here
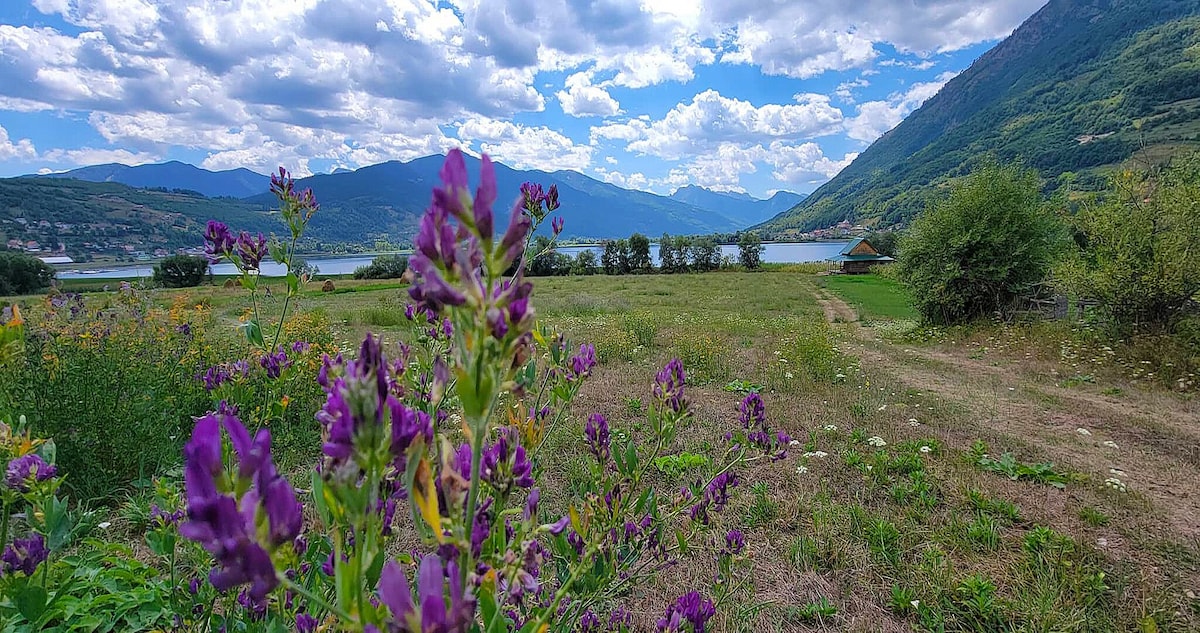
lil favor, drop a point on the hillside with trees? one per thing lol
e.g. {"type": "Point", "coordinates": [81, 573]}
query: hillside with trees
{"type": "Point", "coordinates": [1083, 86]}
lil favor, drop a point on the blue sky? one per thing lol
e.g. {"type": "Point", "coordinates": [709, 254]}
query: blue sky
{"type": "Point", "coordinates": [740, 95]}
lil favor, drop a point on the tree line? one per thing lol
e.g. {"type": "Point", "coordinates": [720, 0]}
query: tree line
{"type": "Point", "coordinates": [631, 256]}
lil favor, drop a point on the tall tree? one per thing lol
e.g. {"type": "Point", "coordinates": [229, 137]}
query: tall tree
{"type": "Point", "coordinates": [750, 250]}
{"type": "Point", "coordinates": [639, 254]}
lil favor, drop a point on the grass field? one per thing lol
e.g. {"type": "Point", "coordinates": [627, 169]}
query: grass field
{"type": "Point", "coordinates": [936, 486]}
{"type": "Point", "coordinates": [874, 297]}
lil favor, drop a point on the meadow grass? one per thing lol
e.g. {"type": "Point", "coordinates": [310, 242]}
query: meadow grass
{"type": "Point", "coordinates": [873, 297]}
{"type": "Point", "coordinates": [885, 516]}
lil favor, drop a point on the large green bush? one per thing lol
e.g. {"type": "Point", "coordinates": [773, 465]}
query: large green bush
{"type": "Point", "coordinates": [181, 271]}
{"type": "Point", "coordinates": [982, 248]}
{"type": "Point", "coordinates": [1139, 247]}
{"type": "Point", "coordinates": [22, 274]}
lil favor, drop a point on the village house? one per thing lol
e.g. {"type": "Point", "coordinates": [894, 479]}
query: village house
{"type": "Point", "coordinates": [859, 256]}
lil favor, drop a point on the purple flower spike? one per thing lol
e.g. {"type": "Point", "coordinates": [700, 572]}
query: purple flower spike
{"type": "Point", "coordinates": [752, 411]}
{"type": "Point", "coordinates": [582, 363]}
{"type": "Point", "coordinates": [218, 241]}
{"type": "Point", "coordinates": [691, 607]}
{"type": "Point", "coordinates": [485, 199]}
{"type": "Point", "coordinates": [395, 595]}
{"type": "Point", "coordinates": [27, 469]}
{"type": "Point", "coordinates": [552, 198]}
{"type": "Point", "coordinates": [238, 531]}
{"type": "Point", "coordinates": [597, 434]}
{"type": "Point", "coordinates": [557, 224]}
{"type": "Point", "coordinates": [24, 555]}
{"type": "Point", "coordinates": [668, 386]}
{"type": "Point", "coordinates": [305, 623]}
{"type": "Point", "coordinates": [251, 250]}
{"type": "Point", "coordinates": [735, 541]}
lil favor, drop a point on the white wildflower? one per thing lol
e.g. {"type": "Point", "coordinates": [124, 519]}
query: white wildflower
{"type": "Point", "coordinates": [1115, 484]}
{"type": "Point", "coordinates": [816, 454]}
{"type": "Point", "coordinates": [916, 604]}
{"type": "Point", "coordinates": [801, 469]}
{"type": "Point", "coordinates": [1110, 444]}
{"type": "Point", "coordinates": [794, 443]}
{"type": "Point", "coordinates": [877, 441]}
{"type": "Point", "coordinates": [1116, 472]}
{"type": "Point", "coordinates": [883, 407]}
{"type": "Point", "coordinates": [926, 449]}
{"type": "Point", "coordinates": [783, 360]}
{"type": "Point", "coordinates": [830, 427]}
{"type": "Point", "coordinates": [789, 375]}
{"type": "Point", "coordinates": [104, 525]}
{"type": "Point", "coordinates": [1083, 431]}
{"type": "Point", "coordinates": [913, 422]}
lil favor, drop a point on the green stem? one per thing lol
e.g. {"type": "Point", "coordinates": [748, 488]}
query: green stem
{"type": "Point", "coordinates": [314, 598]}
{"type": "Point", "coordinates": [477, 433]}
{"type": "Point", "coordinates": [288, 297]}
{"type": "Point", "coordinates": [4, 526]}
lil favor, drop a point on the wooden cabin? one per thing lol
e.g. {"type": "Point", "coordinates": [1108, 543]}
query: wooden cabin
{"type": "Point", "coordinates": [858, 257]}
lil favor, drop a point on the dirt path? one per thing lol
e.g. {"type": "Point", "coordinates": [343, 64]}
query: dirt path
{"type": "Point", "coordinates": [1151, 442]}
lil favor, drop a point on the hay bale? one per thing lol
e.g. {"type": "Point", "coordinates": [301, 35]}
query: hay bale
{"type": "Point", "coordinates": [327, 286]}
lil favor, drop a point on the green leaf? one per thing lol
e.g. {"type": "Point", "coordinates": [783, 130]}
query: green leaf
{"type": "Point", "coordinates": [681, 541]}
{"type": "Point", "coordinates": [293, 283]}
{"type": "Point", "coordinates": [254, 333]}
{"type": "Point", "coordinates": [31, 602]}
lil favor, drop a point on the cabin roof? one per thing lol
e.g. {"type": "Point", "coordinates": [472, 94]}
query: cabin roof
{"type": "Point", "coordinates": [859, 250]}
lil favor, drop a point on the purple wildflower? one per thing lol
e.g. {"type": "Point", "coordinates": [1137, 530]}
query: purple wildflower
{"type": "Point", "coordinates": [238, 531]}
{"type": "Point", "coordinates": [275, 363]}
{"type": "Point", "coordinates": [28, 468]}
{"type": "Point", "coordinates": [690, 607]}
{"type": "Point", "coordinates": [735, 541]}
{"type": "Point", "coordinates": [25, 554]}
{"type": "Point", "coordinates": [481, 527]}
{"type": "Point", "coordinates": [218, 241]}
{"type": "Point", "coordinates": [752, 411]}
{"type": "Point", "coordinates": [162, 518]}
{"type": "Point", "coordinates": [251, 250]}
{"type": "Point", "coordinates": [429, 613]}
{"type": "Point", "coordinates": [557, 225]}
{"type": "Point", "coordinates": [305, 623]}
{"type": "Point", "coordinates": [589, 622]}
{"type": "Point", "coordinates": [668, 386]}
{"type": "Point", "coordinates": [597, 434]}
{"type": "Point", "coordinates": [582, 363]}
{"type": "Point", "coordinates": [501, 467]}
{"type": "Point", "coordinates": [300, 347]}
{"type": "Point", "coordinates": [716, 495]}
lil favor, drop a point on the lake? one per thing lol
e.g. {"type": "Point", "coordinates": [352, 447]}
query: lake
{"type": "Point", "coordinates": [775, 253]}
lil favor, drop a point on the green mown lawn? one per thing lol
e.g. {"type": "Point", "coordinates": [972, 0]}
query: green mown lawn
{"type": "Point", "coordinates": [874, 297]}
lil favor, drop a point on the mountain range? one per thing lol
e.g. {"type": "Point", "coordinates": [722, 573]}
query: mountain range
{"type": "Point", "coordinates": [1081, 88]}
{"type": "Point", "coordinates": [164, 205]}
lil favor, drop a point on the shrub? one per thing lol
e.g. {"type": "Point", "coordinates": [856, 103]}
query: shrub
{"type": "Point", "coordinates": [981, 249]}
{"type": "Point", "coordinates": [22, 274]}
{"type": "Point", "coordinates": [750, 250]}
{"type": "Point", "coordinates": [1136, 256]}
{"type": "Point", "coordinates": [383, 267]}
{"type": "Point", "coordinates": [181, 271]}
